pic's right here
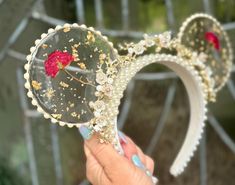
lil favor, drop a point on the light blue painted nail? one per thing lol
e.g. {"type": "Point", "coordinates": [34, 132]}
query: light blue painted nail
{"type": "Point", "coordinates": [122, 137]}
{"type": "Point", "coordinates": [137, 162]}
{"type": "Point", "coordinates": [148, 173]}
{"type": "Point", "coordinates": [155, 180]}
{"type": "Point", "coordinates": [85, 132]}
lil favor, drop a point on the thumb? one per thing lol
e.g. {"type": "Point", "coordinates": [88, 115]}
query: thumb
{"type": "Point", "coordinates": [105, 154]}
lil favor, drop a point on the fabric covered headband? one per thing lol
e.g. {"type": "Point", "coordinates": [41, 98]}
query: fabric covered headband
{"type": "Point", "coordinates": [75, 76]}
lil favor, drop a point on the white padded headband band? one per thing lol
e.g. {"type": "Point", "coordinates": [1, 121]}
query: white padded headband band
{"type": "Point", "coordinates": [194, 87]}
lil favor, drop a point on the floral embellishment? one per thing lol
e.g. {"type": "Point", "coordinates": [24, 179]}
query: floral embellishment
{"type": "Point", "coordinates": [164, 39]}
{"type": "Point", "coordinates": [213, 39]}
{"type": "Point", "coordinates": [139, 48]}
{"type": "Point", "coordinates": [101, 78]}
{"type": "Point", "coordinates": [202, 57]}
{"type": "Point", "coordinates": [112, 70]}
{"type": "Point", "coordinates": [159, 41]}
{"type": "Point", "coordinates": [98, 105]}
{"type": "Point", "coordinates": [107, 89]}
{"type": "Point", "coordinates": [57, 60]}
{"type": "Point", "coordinates": [100, 123]}
{"type": "Point", "coordinates": [148, 40]}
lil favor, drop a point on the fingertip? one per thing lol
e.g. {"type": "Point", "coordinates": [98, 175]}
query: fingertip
{"type": "Point", "coordinates": [85, 132]}
{"type": "Point", "coordinates": [150, 164]}
{"type": "Point", "coordinates": [129, 150]}
{"type": "Point", "coordinates": [87, 151]}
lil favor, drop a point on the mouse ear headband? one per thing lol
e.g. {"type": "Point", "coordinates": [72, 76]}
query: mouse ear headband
{"type": "Point", "coordinates": [75, 76]}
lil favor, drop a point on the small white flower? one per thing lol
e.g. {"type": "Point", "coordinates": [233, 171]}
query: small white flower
{"type": "Point", "coordinates": [110, 80]}
{"type": "Point", "coordinates": [91, 104]}
{"type": "Point", "coordinates": [149, 41]}
{"type": "Point", "coordinates": [130, 51]}
{"type": "Point", "coordinates": [165, 39]}
{"type": "Point", "coordinates": [212, 82]}
{"type": "Point", "coordinates": [111, 70]}
{"type": "Point", "coordinates": [208, 71]}
{"type": "Point", "coordinates": [99, 87]}
{"type": "Point", "coordinates": [101, 121]}
{"type": "Point", "coordinates": [101, 78]}
{"type": "Point", "coordinates": [99, 105]}
{"type": "Point", "coordinates": [194, 56]}
{"type": "Point", "coordinates": [202, 57]}
{"type": "Point", "coordinates": [97, 114]}
{"type": "Point", "coordinates": [97, 128]}
{"type": "Point", "coordinates": [107, 90]}
{"type": "Point", "coordinates": [98, 93]}
{"type": "Point", "coordinates": [139, 48]}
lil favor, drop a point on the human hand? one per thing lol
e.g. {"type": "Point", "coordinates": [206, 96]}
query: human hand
{"type": "Point", "coordinates": [104, 166]}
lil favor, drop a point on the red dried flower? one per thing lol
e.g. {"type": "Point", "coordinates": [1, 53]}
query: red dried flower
{"type": "Point", "coordinates": [213, 39]}
{"type": "Point", "coordinates": [57, 60]}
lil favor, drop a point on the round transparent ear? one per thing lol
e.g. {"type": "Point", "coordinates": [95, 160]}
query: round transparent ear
{"type": "Point", "coordinates": [61, 72]}
{"type": "Point", "coordinates": [203, 34]}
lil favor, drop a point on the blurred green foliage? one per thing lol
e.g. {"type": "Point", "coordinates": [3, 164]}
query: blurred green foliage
{"type": "Point", "coordinates": [9, 176]}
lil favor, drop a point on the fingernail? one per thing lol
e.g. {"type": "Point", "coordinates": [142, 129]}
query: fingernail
{"type": "Point", "coordinates": [122, 137]}
{"type": "Point", "coordinates": [137, 162]}
{"type": "Point", "coordinates": [155, 180]}
{"type": "Point", "coordinates": [148, 173]}
{"type": "Point", "coordinates": [85, 132]}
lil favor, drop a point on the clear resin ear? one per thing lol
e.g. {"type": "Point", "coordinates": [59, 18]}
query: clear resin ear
{"type": "Point", "coordinates": [61, 72]}
{"type": "Point", "coordinates": [203, 34]}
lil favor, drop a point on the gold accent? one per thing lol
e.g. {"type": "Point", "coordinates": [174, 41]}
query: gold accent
{"type": "Point", "coordinates": [78, 79]}
{"type": "Point", "coordinates": [71, 105]}
{"type": "Point", "coordinates": [36, 85]}
{"type": "Point", "coordinates": [82, 65]}
{"type": "Point", "coordinates": [44, 46]}
{"type": "Point", "coordinates": [63, 84]}
{"type": "Point", "coordinates": [90, 36]}
{"type": "Point", "coordinates": [50, 93]}
{"type": "Point", "coordinates": [74, 114]}
{"type": "Point", "coordinates": [75, 52]}
{"type": "Point", "coordinates": [71, 40]}
{"type": "Point", "coordinates": [57, 116]}
{"type": "Point", "coordinates": [66, 29]}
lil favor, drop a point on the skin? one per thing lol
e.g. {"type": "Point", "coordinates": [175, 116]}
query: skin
{"type": "Point", "coordinates": [104, 166]}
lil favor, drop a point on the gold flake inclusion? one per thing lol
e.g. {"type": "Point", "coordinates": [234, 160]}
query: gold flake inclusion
{"type": "Point", "coordinates": [36, 85]}
{"type": "Point", "coordinates": [50, 93]}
